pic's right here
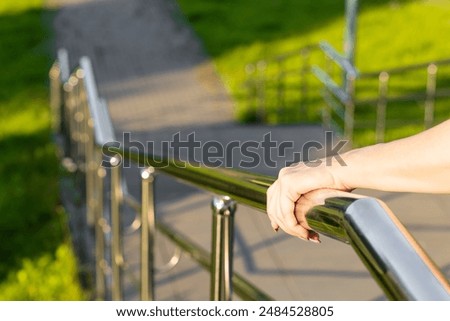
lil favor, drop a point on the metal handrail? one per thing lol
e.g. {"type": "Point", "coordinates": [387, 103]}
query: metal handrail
{"type": "Point", "coordinates": [396, 261]}
{"type": "Point", "coordinates": [402, 69]}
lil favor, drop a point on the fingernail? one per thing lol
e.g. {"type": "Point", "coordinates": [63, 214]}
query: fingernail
{"type": "Point", "coordinates": [314, 237]}
{"type": "Point", "coordinates": [317, 241]}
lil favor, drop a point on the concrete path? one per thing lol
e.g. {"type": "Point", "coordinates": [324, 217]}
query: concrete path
{"type": "Point", "coordinates": [158, 81]}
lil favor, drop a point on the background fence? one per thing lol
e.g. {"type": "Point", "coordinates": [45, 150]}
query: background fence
{"type": "Point", "coordinates": [305, 85]}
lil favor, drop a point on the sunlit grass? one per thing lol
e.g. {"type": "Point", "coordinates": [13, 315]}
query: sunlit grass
{"type": "Point", "coordinates": [37, 262]}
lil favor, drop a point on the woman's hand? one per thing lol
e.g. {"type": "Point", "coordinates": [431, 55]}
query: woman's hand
{"type": "Point", "coordinates": [291, 196]}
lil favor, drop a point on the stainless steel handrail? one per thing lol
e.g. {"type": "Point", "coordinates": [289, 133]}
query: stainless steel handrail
{"type": "Point", "coordinates": [396, 261]}
{"type": "Point", "coordinates": [103, 129]}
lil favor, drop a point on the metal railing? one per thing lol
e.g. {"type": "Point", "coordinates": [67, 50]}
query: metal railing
{"type": "Point", "coordinates": [428, 95]}
{"type": "Point", "coordinates": [279, 89]}
{"type": "Point", "coordinates": [340, 99]}
{"type": "Point", "coordinates": [396, 261]}
{"type": "Point", "coordinates": [283, 89]}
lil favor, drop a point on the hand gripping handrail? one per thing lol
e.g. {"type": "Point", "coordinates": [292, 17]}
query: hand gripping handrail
{"type": "Point", "coordinates": [396, 261]}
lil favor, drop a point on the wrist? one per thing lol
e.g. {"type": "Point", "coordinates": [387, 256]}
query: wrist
{"type": "Point", "coordinates": [342, 169]}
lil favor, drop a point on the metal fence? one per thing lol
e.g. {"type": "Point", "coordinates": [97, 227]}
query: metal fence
{"type": "Point", "coordinates": [280, 89]}
{"type": "Point", "coordinates": [292, 87]}
{"type": "Point", "coordinates": [395, 260]}
{"type": "Point", "coordinates": [426, 96]}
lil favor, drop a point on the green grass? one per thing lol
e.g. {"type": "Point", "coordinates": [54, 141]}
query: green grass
{"type": "Point", "coordinates": [390, 34]}
{"type": "Point", "coordinates": [37, 262]}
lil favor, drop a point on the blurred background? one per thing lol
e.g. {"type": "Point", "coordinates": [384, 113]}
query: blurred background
{"type": "Point", "coordinates": [227, 70]}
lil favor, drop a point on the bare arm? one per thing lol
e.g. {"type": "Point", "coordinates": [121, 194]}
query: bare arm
{"type": "Point", "coordinates": [420, 163]}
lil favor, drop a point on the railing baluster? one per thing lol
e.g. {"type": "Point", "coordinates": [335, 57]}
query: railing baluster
{"type": "Point", "coordinates": [431, 95]}
{"type": "Point", "coordinates": [100, 265]}
{"type": "Point", "coordinates": [59, 102]}
{"type": "Point", "coordinates": [91, 164]}
{"type": "Point", "coordinates": [280, 108]}
{"type": "Point", "coordinates": [116, 248]}
{"type": "Point", "coordinates": [350, 110]}
{"type": "Point", "coordinates": [72, 131]}
{"type": "Point", "coordinates": [304, 73]}
{"type": "Point", "coordinates": [260, 89]}
{"type": "Point", "coordinates": [223, 210]}
{"type": "Point", "coordinates": [147, 234]}
{"type": "Point", "coordinates": [383, 81]}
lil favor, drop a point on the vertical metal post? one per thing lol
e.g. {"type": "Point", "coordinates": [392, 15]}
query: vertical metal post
{"type": "Point", "coordinates": [261, 108]}
{"type": "Point", "coordinates": [72, 130]}
{"type": "Point", "coordinates": [55, 97]}
{"type": "Point", "coordinates": [63, 61]}
{"type": "Point", "coordinates": [280, 109]}
{"type": "Point", "coordinates": [66, 112]}
{"type": "Point", "coordinates": [100, 222]}
{"type": "Point", "coordinates": [251, 87]}
{"type": "Point", "coordinates": [147, 234]}
{"type": "Point", "coordinates": [64, 73]}
{"type": "Point", "coordinates": [88, 140]}
{"type": "Point", "coordinates": [326, 110]}
{"type": "Point", "coordinates": [431, 95]}
{"type": "Point", "coordinates": [383, 81]}
{"type": "Point", "coordinates": [77, 118]}
{"type": "Point", "coordinates": [351, 11]}
{"type": "Point", "coordinates": [81, 117]}
{"type": "Point", "coordinates": [350, 111]}
{"type": "Point", "coordinates": [305, 55]}
{"type": "Point", "coordinates": [223, 210]}
{"type": "Point", "coordinates": [116, 248]}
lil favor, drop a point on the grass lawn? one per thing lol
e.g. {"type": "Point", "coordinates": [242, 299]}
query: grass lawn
{"type": "Point", "coordinates": [37, 262]}
{"type": "Point", "coordinates": [391, 33]}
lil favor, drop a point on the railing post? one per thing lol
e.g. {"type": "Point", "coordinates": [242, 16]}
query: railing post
{"type": "Point", "coordinates": [350, 110]}
{"type": "Point", "coordinates": [280, 108]}
{"type": "Point", "coordinates": [260, 89]}
{"type": "Point", "coordinates": [148, 230]}
{"type": "Point", "coordinates": [326, 112]}
{"type": "Point", "coordinates": [431, 95]}
{"type": "Point", "coordinates": [304, 72]}
{"type": "Point", "coordinates": [59, 74]}
{"type": "Point", "coordinates": [351, 12]}
{"type": "Point", "coordinates": [383, 81]}
{"type": "Point", "coordinates": [100, 224]}
{"type": "Point", "coordinates": [251, 88]}
{"type": "Point", "coordinates": [90, 161]}
{"type": "Point", "coordinates": [55, 97]}
{"type": "Point", "coordinates": [116, 248]}
{"type": "Point", "coordinates": [223, 210]}
{"type": "Point", "coordinates": [71, 106]}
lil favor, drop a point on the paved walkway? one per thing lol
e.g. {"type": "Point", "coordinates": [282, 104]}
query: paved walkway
{"type": "Point", "coordinates": [157, 80]}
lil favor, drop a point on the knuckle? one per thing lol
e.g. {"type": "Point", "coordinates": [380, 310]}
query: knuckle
{"type": "Point", "coordinates": [284, 172]}
{"type": "Point", "coordinates": [269, 191]}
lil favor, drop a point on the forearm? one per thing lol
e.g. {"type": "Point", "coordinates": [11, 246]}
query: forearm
{"type": "Point", "coordinates": [419, 163]}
